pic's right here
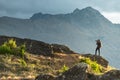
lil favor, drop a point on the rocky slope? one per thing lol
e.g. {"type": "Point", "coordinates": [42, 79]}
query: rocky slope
{"type": "Point", "coordinates": [81, 71]}
{"type": "Point", "coordinates": [50, 63]}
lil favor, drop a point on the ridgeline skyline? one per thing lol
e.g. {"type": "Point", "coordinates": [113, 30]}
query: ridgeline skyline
{"type": "Point", "coordinates": [26, 8]}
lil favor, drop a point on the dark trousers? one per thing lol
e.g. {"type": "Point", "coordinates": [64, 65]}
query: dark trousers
{"type": "Point", "coordinates": [97, 49]}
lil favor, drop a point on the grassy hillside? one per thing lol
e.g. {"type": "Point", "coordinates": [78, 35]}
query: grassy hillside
{"type": "Point", "coordinates": [17, 63]}
{"type": "Point", "coordinates": [14, 67]}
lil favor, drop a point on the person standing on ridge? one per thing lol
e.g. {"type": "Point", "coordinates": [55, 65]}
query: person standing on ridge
{"type": "Point", "coordinates": [98, 43]}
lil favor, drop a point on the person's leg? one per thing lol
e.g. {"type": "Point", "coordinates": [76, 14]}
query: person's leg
{"type": "Point", "coordinates": [96, 51]}
{"type": "Point", "coordinates": [99, 51]}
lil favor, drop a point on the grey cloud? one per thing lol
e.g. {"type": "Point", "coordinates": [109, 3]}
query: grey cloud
{"type": "Point", "coordinates": [17, 8]}
{"type": "Point", "coordinates": [108, 6]}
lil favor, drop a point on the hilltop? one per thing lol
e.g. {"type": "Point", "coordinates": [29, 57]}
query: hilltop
{"type": "Point", "coordinates": [39, 58]}
{"type": "Point", "coordinates": [50, 63]}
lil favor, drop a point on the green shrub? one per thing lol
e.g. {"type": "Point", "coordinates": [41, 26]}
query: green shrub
{"type": "Point", "coordinates": [10, 43]}
{"type": "Point", "coordinates": [5, 50]}
{"type": "Point", "coordinates": [63, 69]}
{"type": "Point", "coordinates": [22, 49]}
{"type": "Point", "coordinates": [10, 47]}
{"type": "Point", "coordinates": [96, 68]}
{"type": "Point", "coordinates": [22, 62]}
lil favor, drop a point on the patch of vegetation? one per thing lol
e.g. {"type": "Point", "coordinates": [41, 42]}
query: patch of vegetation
{"type": "Point", "coordinates": [22, 50]}
{"type": "Point", "coordinates": [10, 48]}
{"type": "Point", "coordinates": [5, 50]}
{"type": "Point", "coordinates": [63, 69]}
{"type": "Point", "coordinates": [96, 68]}
{"type": "Point", "coordinates": [22, 62]}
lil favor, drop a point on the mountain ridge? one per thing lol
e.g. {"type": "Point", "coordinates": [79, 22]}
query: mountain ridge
{"type": "Point", "coordinates": [88, 11]}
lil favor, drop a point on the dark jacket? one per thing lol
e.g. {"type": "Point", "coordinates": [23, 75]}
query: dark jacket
{"type": "Point", "coordinates": [98, 43]}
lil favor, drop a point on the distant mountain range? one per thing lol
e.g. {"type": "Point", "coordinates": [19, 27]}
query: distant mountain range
{"type": "Point", "coordinates": [78, 30]}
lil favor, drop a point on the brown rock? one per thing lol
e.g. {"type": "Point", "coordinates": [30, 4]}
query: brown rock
{"type": "Point", "coordinates": [61, 49]}
{"type": "Point", "coordinates": [45, 77]}
{"type": "Point", "coordinates": [78, 72]}
{"type": "Point", "coordinates": [111, 75]}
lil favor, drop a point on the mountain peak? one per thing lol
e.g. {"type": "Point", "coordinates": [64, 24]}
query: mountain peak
{"type": "Point", "coordinates": [76, 10]}
{"type": "Point", "coordinates": [37, 15]}
{"type": "Point", "coordinates": [85, 10]}
{"type": "Point", "coordinates": [89, 9]}
{"type": "Point", "coordinates": [40, 16]}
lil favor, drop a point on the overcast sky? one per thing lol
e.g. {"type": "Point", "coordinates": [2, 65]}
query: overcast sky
{"type": "Point", "coordinates": [26, 8]}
